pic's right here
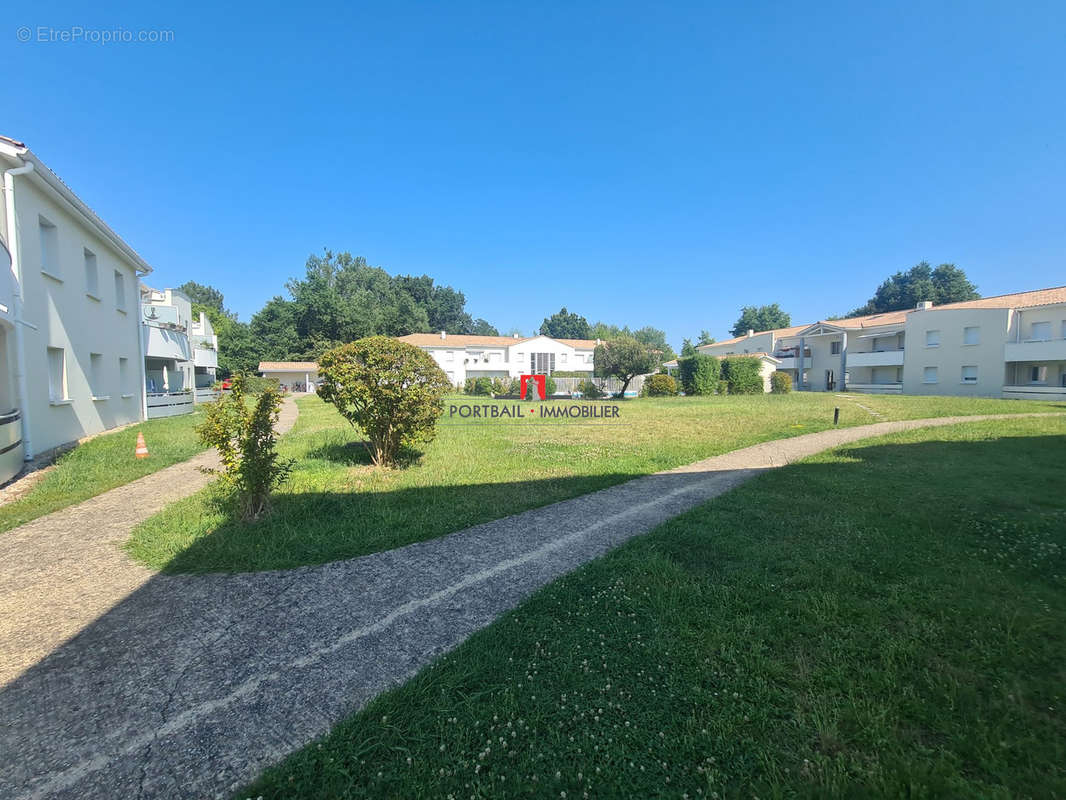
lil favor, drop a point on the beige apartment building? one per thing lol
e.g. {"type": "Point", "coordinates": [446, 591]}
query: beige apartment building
{"type": "Point", "coordinates": [1013, 345]}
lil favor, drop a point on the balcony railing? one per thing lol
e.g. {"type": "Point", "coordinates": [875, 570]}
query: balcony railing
{"type": "Point", "coordinates": [169, 404]}
{"type": "Point", "coordinates": [876, 388]}
{"type": "Point", "coordinates": [10, 444]}
{"type": "Point", "coordinates": [1033, 391]}
{"type": "Point", "coordinates": [1046, 350]}
{"type": "Point", "coordinates": [876, 358]}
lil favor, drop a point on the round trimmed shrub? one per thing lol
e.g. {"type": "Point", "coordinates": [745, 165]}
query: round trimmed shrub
{"type": "Point", "coordinates": [659, 386]}
{"type": "Point", "coordinates": [780, 382]}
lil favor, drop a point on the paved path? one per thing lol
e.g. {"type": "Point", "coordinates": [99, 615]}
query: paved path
{"type": "Point", "coordinates": [60, 572]}
{"type": "Point", "coordinates": [192, 684]}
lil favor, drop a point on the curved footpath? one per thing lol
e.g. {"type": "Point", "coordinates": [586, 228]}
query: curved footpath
{"type": "Point", "coordinates": [188, 686]}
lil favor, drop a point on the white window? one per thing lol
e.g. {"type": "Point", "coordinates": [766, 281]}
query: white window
{"type": "Point", "coordinates": [451, 355]}
{"type": "Point", "coordinates": [1041, 331]}
{"type": "Point", "coordinates": [562, 358]}
{"type": "Point", "coordinates": [969, 374]}
{"type": "Point", "coordinates": [1038, 375]}
{"type": "Point", "coordinates": [971, 335]}
{"type": "Point", "coordinates": [929, 375]}
{"type": "Point", "coordinates": [96, 376]}
{"type": "Point", "coordinates": [834, 349]}
{"type": "Point", "coordinates": [92, 275]}
{"type": "Point", "coordinates": [49, 235]}
{"type": "Point", "coordinates": [932, 338]}
{"type": "Point", "coordinates": [124, 377]}
{"type": "Point", "coordinates": [120, 291]}
{"type": "Point", "coordinates": [57, 375]}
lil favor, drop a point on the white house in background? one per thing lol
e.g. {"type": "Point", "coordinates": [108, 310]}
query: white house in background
{"type": "Point", "coordinates": [1012, 345]}
{"type": "Point", "coordinates": [294, 376]}
{"type": "Point", "coordinates": [463, 357]}
{"type": "Point", "coordinates": [180, 353]}
{"type": "Point", "coordinates": [70, 352]}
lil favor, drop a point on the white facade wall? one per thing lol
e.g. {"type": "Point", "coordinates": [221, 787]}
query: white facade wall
{"type": "Point", "coordinates": [937, 351]}
{"type": "Point", "coordinates": [88, 326]}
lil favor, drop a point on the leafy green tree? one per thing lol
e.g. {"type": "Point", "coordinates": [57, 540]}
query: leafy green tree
{"type": "Point", "coordinates": [761, 318]}
{"type": "Point", "coordinates": [605, 331]}
{"type": "Point", "coordinates": [243, 434]}
{"type": "Point", "coordinates": [904, 290]}
{"type": "Point", "coordinates": [392, 391]}
{"type": "Point", "coordinates": [274, 330]}
{"type": "Point", "coordinates": [207, 296]}
{"type": "Point", "coordinates": [706, 338]}
{"type": "Point", "coordinates": [624, 358]}
{"type": "Point", "coordinates": [483, 328]}
{"type": "Point", "coordinates": [656, 340]}
{"type": "Point", "coordinates": [688, 349]}
{"type": "Point", "coordinates": [565, 325]}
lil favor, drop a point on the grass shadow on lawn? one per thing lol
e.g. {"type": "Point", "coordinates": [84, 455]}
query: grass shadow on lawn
{"type": "Point", "coordinates": [883, 620]}
{"type": "Point", "coordinates": [317, 527]}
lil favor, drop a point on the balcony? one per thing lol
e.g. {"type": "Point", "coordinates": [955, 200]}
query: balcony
{"type": "Point", "coordinates": [10, 444]}
{"type": "Point", "coordinates": [788, 361]}
{"type": "Point", "coordinates": [876, 388]}
{"type": "Point", "coordinates": [1034, 391]}
{"type": "Point", "coordinates": [165, 342]}
{"type": "Point", "coordinates": [1045, 350]}
{"type": "Point", "coordinates": [876, 358]}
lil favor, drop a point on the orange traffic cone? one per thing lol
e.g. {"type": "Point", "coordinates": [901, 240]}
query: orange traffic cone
{"type": "Point", "coordinates": [142, 448]}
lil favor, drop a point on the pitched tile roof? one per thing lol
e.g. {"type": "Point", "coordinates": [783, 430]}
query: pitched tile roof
{"type": "Point", "coordinates": [1039, 297]}
{"type": "Point", "coordinates": [288, 366]}
{"type": "Point", "coordinates": [459, 340]}
{"type": "Point", "coordinates": [463, 340]}
{"type": "Point", "coordinates": [779, 332]}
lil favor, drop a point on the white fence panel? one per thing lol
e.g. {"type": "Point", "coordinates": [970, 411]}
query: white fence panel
{"type": "Point", "coordinates": [172, 404]}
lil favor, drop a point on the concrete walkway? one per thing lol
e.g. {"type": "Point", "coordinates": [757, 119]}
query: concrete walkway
{"type": "Point", "coordinates": [191, 685]}
{"type": "Point", "coordinates": [60, 572]}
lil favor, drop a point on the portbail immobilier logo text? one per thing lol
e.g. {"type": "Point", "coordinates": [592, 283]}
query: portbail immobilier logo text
{"type": "Point", "coordinates": [534, 410]}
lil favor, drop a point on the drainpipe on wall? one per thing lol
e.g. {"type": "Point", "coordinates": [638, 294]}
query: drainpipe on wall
{"type": "Point", "coordinates": [16, 273]}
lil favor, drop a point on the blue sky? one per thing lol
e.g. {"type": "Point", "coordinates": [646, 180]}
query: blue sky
{"type": "Point", "coordinates": [640, 163]}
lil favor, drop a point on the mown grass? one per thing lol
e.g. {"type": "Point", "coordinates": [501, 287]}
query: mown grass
{"type": "Point", "coordinates": [884, 620]}
{"type": "Point", "coordinates": [104, 462]}
{"type": "Point", "coordinates": [337, 506]}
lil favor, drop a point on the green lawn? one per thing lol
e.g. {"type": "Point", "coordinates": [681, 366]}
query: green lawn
{"type": "Point", "coordinates": [337, 506]}
{"type": "Point", "coordinates": [888, 619]}
{"type": "Point", "coordinates": [103, 463]}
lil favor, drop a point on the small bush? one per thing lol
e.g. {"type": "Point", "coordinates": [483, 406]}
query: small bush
{"type": "Point", "coordinates": [699, 373]}
{"type": "Point", "coordinates": [500, 386]}
{"type": "Point", "coordinates": [723, 387]}
{"type": "Point", "coordinates": [391, 390]}
{"type": "Point", "coordinates": [531, 388]}
{"type": "Point", "coordinates": [243, 434]}
{"type": "Point", "coordinates": [590, 390]}
{"type": "Point", "coordinates": [253, 384]}
{"type": "Point", "coordinates": [481, 387]}
{"type": "Point", "coordinates": [659, 386]}
{"type": "Point", "coordinates": [780, 382]}
{"type": "Point", "coordinates": [743, 374]}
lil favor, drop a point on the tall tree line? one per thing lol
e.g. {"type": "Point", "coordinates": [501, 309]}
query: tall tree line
{"type": "Point", "coordinates": [339, 299]}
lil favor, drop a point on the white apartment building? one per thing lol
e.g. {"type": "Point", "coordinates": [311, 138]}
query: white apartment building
{"type": "Point", "coordinates": [1011, 345]}
{"type": "Point", "coordinates": [180, 353]}
{"type": "Point", "coordinates": [70, 353]}
{"type": "Point", "coordinates": [463, 357]}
